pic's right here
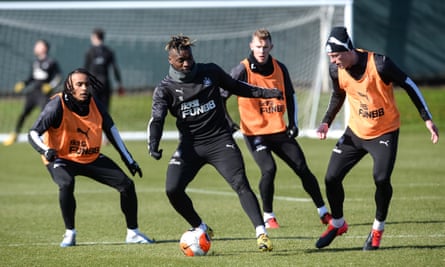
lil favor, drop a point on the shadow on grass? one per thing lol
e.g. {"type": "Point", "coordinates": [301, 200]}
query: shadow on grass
{"type": "Point", "coordinates": [402, 222]}
{"type": "Point", "coordinates": [285, 251]}
{"type": "Point", "coordinates": [243, 239]}
{"type": "Point", "coordinates": [167, 241]}
{"type": "Point", "coordinates": [326, 250]}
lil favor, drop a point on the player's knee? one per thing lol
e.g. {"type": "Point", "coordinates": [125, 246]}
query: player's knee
{"type": "Point", "coordinates": [268, 172]}
{"type": "Point", "coordinates": [267, 181]}
{"type": "Point", "coordinates": [302, 170]}
{"type": "Point", "coordinates": [127, 187]}
{"type": "Point", "coordinates": [383, 184]}
{"type": "Point", "coordinates": [331, 180]}
{"type": "Point", "coordinates": [65, 184]}
{"type": "Point", "coordinates": [173, 191]}
{"type": "Point", "coordinates": [241, 186]}
{"type": "Point", "coordinates": [66, 187]}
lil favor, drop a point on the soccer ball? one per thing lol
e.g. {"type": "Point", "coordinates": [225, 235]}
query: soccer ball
{"type": "Point", "coordinates": [195, 242]}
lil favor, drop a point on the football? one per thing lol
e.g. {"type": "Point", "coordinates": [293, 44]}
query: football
{"type": "Point", "coordinates": [195, 242]}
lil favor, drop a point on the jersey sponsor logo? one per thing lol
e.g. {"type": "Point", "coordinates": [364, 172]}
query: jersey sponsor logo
{"type": "Point", "coordinates": [269, 106]}
{"type": "Point", "coordinates": [371, 114]}
{"type": "Point", "coordinates": [80, 148]}
{"type": "Point", "coordinates": [40, 72]}
{"type": "Point", "coordinates": [99, 60]}
{"type": "Point", "coordinates": [194, 108]}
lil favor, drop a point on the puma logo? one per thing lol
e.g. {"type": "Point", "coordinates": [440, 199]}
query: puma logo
{"type": "Point", "coordinates": [83, 132]}
{"type": "Point", "coordinates": [232, 146]}
{"type": "Point", "coordinates": [386, 143]}
{"type": "Point", "coordinates": [259, 148]}
{"type": "Point", "coordinates": [337, 150]}
{"type": "Point", "coordinates": [56, 165]}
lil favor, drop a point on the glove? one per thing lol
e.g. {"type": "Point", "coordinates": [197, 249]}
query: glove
{"type": "Point", "coordinates": [292, 132]}
{"type": "Point", "coordinates": [121, 90]}
{"type": "Point", "coordinates": [18, 87]}
{"type": "Point", "coordinates": [134, 168]}
{"type": "Point", "coordinates": [50, 155]}
{"type": "Point", "coordinates": [154, 152]}
{"type": "Point", "coordinates": [272, 93]}
{"type": "Point", "coordinates": [46, 88]}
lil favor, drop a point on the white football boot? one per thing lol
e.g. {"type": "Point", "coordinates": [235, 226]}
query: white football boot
{"type": "Point", "coordinates": [69, 238]}
{"type": "Point", "coordinates": [134, 236]}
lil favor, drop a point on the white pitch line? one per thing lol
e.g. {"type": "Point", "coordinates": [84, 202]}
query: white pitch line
{"type": "Point", "coordinates": [222, 193]}
{"type": "Point", "coordinates": [201, 191]}
{"type": "Point", "coordinates": [401, 236]}
{"type": "Point", "coordinates": [57, 244]}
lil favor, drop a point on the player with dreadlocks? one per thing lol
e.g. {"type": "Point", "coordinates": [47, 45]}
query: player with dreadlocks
{"type": "Point", "coordinates": [71, 125]}
{"type": "Point", "coordinates": [191, 93]}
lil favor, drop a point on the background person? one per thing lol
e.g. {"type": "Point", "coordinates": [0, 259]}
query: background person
{"type": "Point", "coordinates": [367, 79]}
{"type": "Point", "coordinates": [98, 61]}
{"type": "Point", "coordinates": [44, 77]}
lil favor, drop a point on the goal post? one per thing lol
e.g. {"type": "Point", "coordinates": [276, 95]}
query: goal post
{"type": "Point", "coordinates": [138, 30]}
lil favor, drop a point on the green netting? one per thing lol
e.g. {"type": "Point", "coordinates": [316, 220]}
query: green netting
{"type": "Point", "coordinates": [138, 37]}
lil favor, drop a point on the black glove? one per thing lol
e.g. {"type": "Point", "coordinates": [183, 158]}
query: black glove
{"type": "Point", "coordinates": [50, 155]}
{"type": "Point", "coordinates": [134, 168]}
{"type": "Point", "coordinates": [272, 93]}
{"type": "Point", "coordinates": [292, 132]}
{"type": "Point", "coordinates": [154, 152]}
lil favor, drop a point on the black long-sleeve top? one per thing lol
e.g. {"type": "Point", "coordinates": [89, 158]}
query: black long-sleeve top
{"type": "Point", "coordinates": [45, 70]}
{"type": "Point", "coordinates": [197, 105]}
{"type": "Point", "coordinates": [98, 61]}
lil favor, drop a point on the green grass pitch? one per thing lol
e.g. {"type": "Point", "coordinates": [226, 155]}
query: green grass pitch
{"type": "Point", "coordinates": [31, 224]}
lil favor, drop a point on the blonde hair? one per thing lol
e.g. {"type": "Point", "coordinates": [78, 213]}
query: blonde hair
{"type": "Point", "coordinates": [262, 34]}
{"type": "Point", "coordinates": [179, 42]}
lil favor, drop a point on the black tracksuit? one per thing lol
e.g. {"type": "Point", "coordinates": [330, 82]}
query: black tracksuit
{"type": "Point", "coordinates": [205, 136]}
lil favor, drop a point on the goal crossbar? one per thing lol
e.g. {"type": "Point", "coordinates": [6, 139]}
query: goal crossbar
{"type": "Point", "coordinates": [165, 4]}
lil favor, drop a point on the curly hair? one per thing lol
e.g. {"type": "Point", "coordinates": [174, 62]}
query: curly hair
{"type": "Point", "coordinates": [95, 84]}
{"type": "Point", "coordinates": [179, 42]}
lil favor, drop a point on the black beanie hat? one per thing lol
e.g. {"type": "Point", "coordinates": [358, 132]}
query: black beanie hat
{"type": "Point", "coordinates": [339, 40]}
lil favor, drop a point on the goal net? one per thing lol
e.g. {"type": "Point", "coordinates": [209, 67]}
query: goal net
{"type": "Point", "coordinates": [138, 30]}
